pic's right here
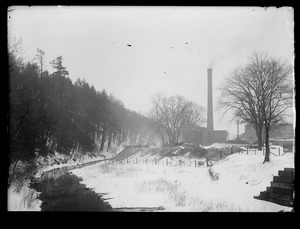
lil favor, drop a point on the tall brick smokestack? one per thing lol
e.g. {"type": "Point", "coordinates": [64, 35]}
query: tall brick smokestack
{"type": "Point", "coordinates": [210, 114]}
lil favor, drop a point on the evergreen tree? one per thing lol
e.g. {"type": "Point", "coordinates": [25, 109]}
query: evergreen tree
{"type": "Point", "coordinates": [57, 65]}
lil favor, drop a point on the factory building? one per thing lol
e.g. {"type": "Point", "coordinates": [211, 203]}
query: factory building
{"type": "Point", "coordinates": [202, 135]}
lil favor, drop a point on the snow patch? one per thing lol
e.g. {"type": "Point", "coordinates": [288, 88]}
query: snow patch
{"type": "Point", "coordinates": [24, 199]}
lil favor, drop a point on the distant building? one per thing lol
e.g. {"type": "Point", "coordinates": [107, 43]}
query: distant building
{"type": "Point", "coordinates": [249, 135]}
{"type": "Point", "coordinates": [202, 135]}
{"type": "Point", "coordinates": [282, 135]}
{"type": "Point", "coordinates": [220, 136]}
{"type": "Point", "coordinates": [197, 136]}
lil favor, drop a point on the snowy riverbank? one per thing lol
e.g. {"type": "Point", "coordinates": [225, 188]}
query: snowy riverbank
{"type": "Point", "coordinates": [25, 199]}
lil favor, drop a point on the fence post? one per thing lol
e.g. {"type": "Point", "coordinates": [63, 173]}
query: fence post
{"type": "Point", "coordinates": [278, 151]}
{"type": "Point", "coordinates": [263, 150]}
{"type": "Point", "coordinates": [206, 162]}
{"type": "Point", "coordinates": [255, 150]}
{"type": "Point", "coordinates": [167, 162]}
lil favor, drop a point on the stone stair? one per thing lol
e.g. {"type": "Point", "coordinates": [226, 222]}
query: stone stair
{"type": "Point", "coordinates": [282, 189]}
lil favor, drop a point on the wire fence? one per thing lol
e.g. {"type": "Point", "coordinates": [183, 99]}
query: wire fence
{"type": "Point", "coordinates": [276, 151]}
{"type": "Point", "coordinates": [170, 161]}
{"type": "Point", "coordinates": [206, 161]}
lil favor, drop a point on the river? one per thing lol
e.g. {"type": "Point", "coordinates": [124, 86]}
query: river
{"type": "Point", "coordinates": [60, 190]}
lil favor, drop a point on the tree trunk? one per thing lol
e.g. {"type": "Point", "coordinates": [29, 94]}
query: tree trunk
{"type": "Point", "coordinates": [163, 140]}
{"type": "Point", "coordinates": [161, 134]}
{"type": "Point", "coordinates": [259, 137]}
{"type": "Point", "coordinates": [120, 136]}
{"type": "Point", "coordinates": [267, 153]}
{"type": "Point", "coordinates": [73, 151]}
{"type": "Point", "coordinates": [171, 140]}
{"type": "Point", "coordinates": [133, 139]}
{"type": "Point", "coordinates": [260, 142]}
{"type": "Point", "coordinates": [103, 140]}
{"type": "Point", "coordinates": [109, 141]}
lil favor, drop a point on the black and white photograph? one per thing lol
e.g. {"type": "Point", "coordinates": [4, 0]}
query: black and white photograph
{"type": "Point", "coordinates": [151, 108]}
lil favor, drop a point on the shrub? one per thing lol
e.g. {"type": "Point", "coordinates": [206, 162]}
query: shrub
{"type": "Point", "coordinates": [22, 172]}
{"type": "Point", "coordinates": [198, 152]}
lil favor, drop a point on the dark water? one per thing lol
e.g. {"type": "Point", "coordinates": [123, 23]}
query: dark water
{"type": "Point", "coordinates": [61, 191]}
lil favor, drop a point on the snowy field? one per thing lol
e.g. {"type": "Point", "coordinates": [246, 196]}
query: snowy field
{"type": "Point", "coordinates": [229, 186]}
{"type": "Point", "coordinates": [236, 179]}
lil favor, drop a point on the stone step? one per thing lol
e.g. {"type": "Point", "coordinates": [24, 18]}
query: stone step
{"type": "Point", "coordinates": [261, 198]}
{"type": "Point", "coordinates": [289, 169]}
{"type": "Point", "coordinates": [264, 195]}
{"type": "Point", "coordinates": [283, 191]}
{"type": "Point", "coordinates": [286, 173]}
{"type": "Point", "coordinates": [283, 179]}
{"type": "Point", "coordinates": [282, 185]}
{"type": "Point", "coordinates": [281, 197]}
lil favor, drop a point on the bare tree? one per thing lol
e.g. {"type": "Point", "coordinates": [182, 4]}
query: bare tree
{"type": "Point", "coordinates": [40, 57]}
{"type": "Point", "coordinates": [259, 94]}
{"type": "Point", "coordinates": [15, 53]}
{"type": "Point", "coordinates": [173, 114]}
{"type": "Point", "coordinates": [240, 95]}
{"type": "Point", "coordinates": [275, 87]}
{"type": "Point", "coordinates": [195, 115]}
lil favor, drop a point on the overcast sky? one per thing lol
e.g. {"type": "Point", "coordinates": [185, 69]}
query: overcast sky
{"type": "Point", "coordinates": [171, 47]}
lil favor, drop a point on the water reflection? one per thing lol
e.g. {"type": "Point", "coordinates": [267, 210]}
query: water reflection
{"type": "Point", "coordinates": [61, 191]}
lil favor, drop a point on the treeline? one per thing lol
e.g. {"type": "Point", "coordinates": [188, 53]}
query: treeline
{"type": "Point", "coordinates": [48, 113]}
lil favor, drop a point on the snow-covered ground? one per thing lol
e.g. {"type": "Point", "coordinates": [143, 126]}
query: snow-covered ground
{"type": "Point", "coordinates": [24, 199]}
{"type": "Point", "coordinates": [238, 178]}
